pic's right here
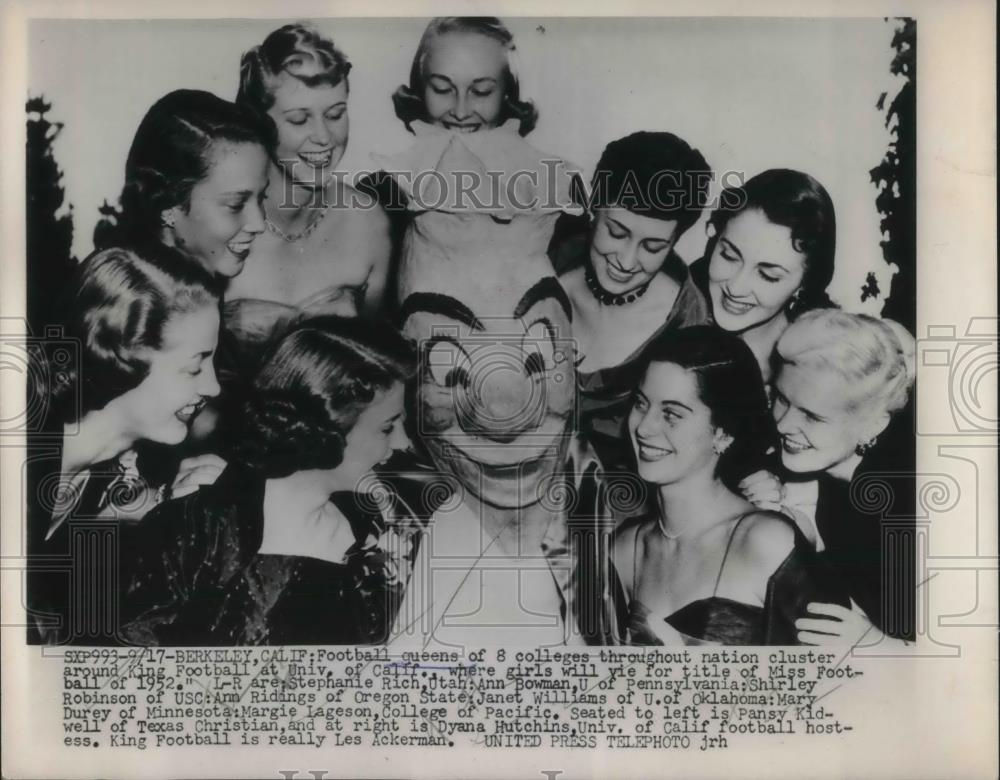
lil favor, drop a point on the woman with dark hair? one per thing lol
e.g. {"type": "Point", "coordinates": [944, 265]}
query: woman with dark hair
{"type": "Point", "coordinates": [708, 567]}
{"type": "Point", "coordinates": [283, 547]}
{"type": "Point", "coordinates": [194, 180]}
{"type": "Point", "coordinates": [626, 283]}
{"type": "Point", "coordinates": [769, 258]}
{"type": "Point", "coordinates": [445, 91]}
{"type": "Point", "coordinates": [326, 249]}
{"type": "Point", "coordinates": [134, 363]}
{"type": "Point", "coordinates": [843, 410]}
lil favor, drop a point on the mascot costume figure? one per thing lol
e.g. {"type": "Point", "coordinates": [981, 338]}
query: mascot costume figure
{"type": "Point", "coordinates": [515, 548]}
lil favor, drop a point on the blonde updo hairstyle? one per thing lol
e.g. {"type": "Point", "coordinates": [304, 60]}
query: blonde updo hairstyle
{"type": "Point", "coordinates": [874, 357]}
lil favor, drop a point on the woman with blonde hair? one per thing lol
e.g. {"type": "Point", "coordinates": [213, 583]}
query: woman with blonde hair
{"type": "Point", "coordinates": [844, 414]}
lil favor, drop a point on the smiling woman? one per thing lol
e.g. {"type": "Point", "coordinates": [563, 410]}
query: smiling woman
{"type": "Point", "coordinates": [626, 283]}
{"type": "Point", "coordinates": [769, 258]}
{"type": "Point", "coordinates": [194, 180]}
{"type": "Point", "coordinates": [463, 78]}
{"type": "Point", "coordinates": [145, 331]}
{"type": "Point", "coordinates": [326, 248]}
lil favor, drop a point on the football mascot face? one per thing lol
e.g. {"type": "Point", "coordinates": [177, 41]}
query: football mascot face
{"type": "Point", "coordinates": [495, 402]}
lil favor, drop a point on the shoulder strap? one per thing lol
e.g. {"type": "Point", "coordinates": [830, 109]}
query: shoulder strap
{"type": "Point", "coordinates": [725, 555]}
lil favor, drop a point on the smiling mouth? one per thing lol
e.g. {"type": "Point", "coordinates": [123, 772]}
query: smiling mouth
{"type": "Point", "coordinates": [241, 248]}
{"type": "Point", "coordinates": [518, 469]}
{"type": "Point", "coordinates": [189, 412]}
{"type": "Point", "coordinates": [735, 307]}
{"type": "Point", "coordinates": [463, 127]}
{"type": "Point", "coordinates": [650, 454]}
{"type": "Point", "coordinates": [793, 446]}
{"type": "Point", "coordinates": [318, 158]}
{"type": "Point", "coordinates": [617, 273]}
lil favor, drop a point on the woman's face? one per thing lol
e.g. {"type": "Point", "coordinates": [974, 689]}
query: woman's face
{"type": "Point", "coordinates": [313, 129]}
{"type": "Point", "coordinates": [464, 82]}
{"type": "Point", "coordinates": [224, 215]}
{"type": "Point", "coordinates": [181, 377]}
{"type": "Point", "coordinates": [818, 424]}
{"type": "Point", "coordinates": [377, 432]}
{"type": "Point", "coordinates": [753, 272]}
{"type": "Point", "coordinates": [671, 429]}
{"type": "Point", "coordinates": [627, 250]}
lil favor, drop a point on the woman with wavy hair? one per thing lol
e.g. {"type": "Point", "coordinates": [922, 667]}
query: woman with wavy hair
{"type": "Point", "coordinates": [844, 415]}
{"type": "Point", "coordinates": [281, 549]}
{"type": "Point", "coordinates": [133, 363]}
{"type": "Point", "coordinates": [769, 257]}
{"type": "Point", "coordinates": [707, 566]}
{"type": "Point", "coordinates": [463, 78]}
{"type": "Point", "coordinates": [326, 246]}
{"type": "Point", "coordinates": [194, 180]}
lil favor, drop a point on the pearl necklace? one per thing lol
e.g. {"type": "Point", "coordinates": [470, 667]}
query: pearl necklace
{"type": "Point", "coordinates": [609, 299]}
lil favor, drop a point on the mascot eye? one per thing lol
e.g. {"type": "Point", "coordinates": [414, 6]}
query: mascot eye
{"type": "Point", "coordinates": [448, 364]}
{"type": "Point", "coordinates": [539, 351]}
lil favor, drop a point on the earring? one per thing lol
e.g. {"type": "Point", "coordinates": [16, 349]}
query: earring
{"type": "Point", "coordinates": [167, 221]}
{"type": "Point", "coordinates": [863, 447]}
{"type": "Point", "coordinates": [720, 447]}
{"type": "Point", "coordinates": [795, 301]}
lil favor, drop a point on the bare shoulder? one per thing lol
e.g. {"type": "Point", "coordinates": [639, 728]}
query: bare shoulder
{"type": "Point", "coordinates": [765, 538]}
{"type": "Point", "coordinates": [627, 538]}
{"type": "Point", "coordinates": [357, 209]}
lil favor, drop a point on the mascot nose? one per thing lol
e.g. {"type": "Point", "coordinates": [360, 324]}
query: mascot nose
{"type": "Point", "coordinates": [506, 403]}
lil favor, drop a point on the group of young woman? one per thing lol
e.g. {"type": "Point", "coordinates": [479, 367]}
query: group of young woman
{"type": "Point", "coordinates": [227, 374]}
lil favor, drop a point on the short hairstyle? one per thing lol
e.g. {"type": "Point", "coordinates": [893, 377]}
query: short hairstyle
{"type": "Point", "coordinates": [797, 201]}
{"type": "Point", "coordinates": [730, 385]}
{"type": "Point", "coordinates": [653, 174]}
{"type": "Point", "coordinates": [311, 390]}
{"type": "Point", "coordinates": [408, 100]}
{"type": "Point", "coordinates": [115, 310]}
{"type": "Point", "coordinates": [296, 50]}
{"type": "Point", "coordinates": [875, 357]}
{"type": "Point", "coordinates": [171, 152]}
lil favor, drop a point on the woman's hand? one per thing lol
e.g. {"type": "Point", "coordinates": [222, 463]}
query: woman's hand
{"type": "Point", "coordinates": [840, 626]}
{"type": "Point", "coordinates": [764, 490]}
{"type": "Point", "coordinates": [195, 472]}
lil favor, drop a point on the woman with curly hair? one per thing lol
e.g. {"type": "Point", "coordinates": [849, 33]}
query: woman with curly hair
{"type": "Point", "coordinates": [133, 363]}
{"type": "Point", "coordinates": [282, 548]}
{"type": "Point", "coordinates": [326, 246]}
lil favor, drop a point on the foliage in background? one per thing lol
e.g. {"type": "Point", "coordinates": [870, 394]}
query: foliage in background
{"type": "Point", "coordinates": [49, 234]}
{"type": "Point", "coordinates": [896, 180]}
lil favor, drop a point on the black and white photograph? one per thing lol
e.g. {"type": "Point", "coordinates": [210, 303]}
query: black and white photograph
{"type": "Point", "coordinates": [430, 335]}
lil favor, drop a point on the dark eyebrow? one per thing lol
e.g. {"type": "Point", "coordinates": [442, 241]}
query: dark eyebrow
{"type": "Point", "coordinates": [483, 79]}
{"type": "Point", "coordinates": [240, 193]}
{"type": "Point", "coordinates": [778, 266]}
{"type": "Point", "coordinates": [439, 76]}
{"type": "Point", "coordinates": [438, 303]}
{"type": "Point", "coordinates": [542, 289]}
{"type": "Point", "coordinates": [665, 404]}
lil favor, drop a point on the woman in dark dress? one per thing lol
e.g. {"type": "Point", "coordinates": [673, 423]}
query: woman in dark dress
{"type": "Point", "coordinates": [626, 283]}
{"type": "Point", "coordinates": [707, 567]}
{"type": "Point", "coordinates": [284, 547]}
{"type": "Point", "coordinates": [769, 258]}
{"type": "Point", "coordinates": [134, 362]}
{"type": "Point", "coordinates": [844, 414]}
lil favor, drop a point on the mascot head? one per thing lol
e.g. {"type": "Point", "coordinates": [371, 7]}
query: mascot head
{"type": "Point", "coordinates": [496, 389]}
